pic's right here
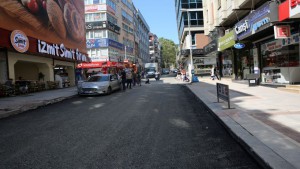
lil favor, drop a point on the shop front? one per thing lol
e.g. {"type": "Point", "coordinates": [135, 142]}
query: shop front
{"type": "Point", "coordinates": [280, 60]}
{"type": "Point", "coordinates": [211, 58]}
{"type": "Point", "coordinates": [250, 32]}
{"type": "Point", "coordinates": [32, 54]}
{"type": "Point", "coordinates": [38, 64]}
{"type": "Point", "coordinates": [226, 47]}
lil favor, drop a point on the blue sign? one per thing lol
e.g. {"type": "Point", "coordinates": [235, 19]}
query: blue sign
{"type": "Point", "coordinates": [115, 44]}
{"type": "Point", "coordinates": [254, 22]}
{"type": "Point", "coordinates": [239, 45]}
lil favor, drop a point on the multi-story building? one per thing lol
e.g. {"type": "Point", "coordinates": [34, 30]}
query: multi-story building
{"type": "Point", "coordinates": [154, 49]}
{"type": "Point", "coordinates": [110, 30]}
{"type": "Point", "coordinates": [190, 25]}
{"type": "Point", "coordinates": [256, 38]}
{"type": "Point", "coordinates": [141, 38]}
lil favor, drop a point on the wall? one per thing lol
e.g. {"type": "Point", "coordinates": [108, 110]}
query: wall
{"type": "Point", "coordinates": [201, 41]}
{"type": "Point", "coordinates": [13, 58]}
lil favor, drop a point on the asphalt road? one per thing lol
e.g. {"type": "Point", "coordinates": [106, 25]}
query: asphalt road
{"type": "Point", "coordinates": [153, 126]}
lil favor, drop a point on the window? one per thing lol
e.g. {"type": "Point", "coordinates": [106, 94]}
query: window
{"type": "Point", "coordinates": [95, 17]}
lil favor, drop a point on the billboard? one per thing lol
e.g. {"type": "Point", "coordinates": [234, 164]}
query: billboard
{"type": "Point", "coordinates": [52, 21]}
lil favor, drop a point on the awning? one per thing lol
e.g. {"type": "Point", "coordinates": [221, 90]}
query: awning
{"type": "Point", "coordinates": [94, 70]}
{"type": "Point", "coordinates": [101, 64]}
{"type": "Point", "coordinates": [90, 65]}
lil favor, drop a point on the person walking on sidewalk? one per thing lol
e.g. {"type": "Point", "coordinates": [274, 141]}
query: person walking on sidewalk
{"type": "Point", "coordinates": [129, 78]}
{"type": "Point", "coordinates": [123, 76]}
{"type": "Point", "coordinates": [139, 79]}
{"type": "Point", "coordinates": [213, 73]}
{"type": "Point", "coordinates": [216, 71]}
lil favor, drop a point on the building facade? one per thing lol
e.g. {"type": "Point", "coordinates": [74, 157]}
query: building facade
{"type": "Point", "coordinates": [141, 39]}
{"type": "Point", "coordinates": [249, 42]}
{"type": "Point", "coordinates": [190, 26]}
{"type": "Point", "coordinates": [116, 33]}
{"type": "Point", "coordinates": [154, 49]}
{"type": "Point", "coordinates": [36, 49]}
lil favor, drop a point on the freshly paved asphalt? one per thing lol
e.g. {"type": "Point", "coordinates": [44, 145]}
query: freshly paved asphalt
{"type": "Point", "coordinates": [153, 126]}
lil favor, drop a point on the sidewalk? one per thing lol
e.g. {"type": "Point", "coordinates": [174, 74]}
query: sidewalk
{"type": "Point", "coordinates": [265, 120]}
{"type": "Point", "coordinates": [18, 104]}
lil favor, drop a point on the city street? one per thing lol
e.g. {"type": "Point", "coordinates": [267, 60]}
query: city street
{"type": "Point", "coordinates": [158, 125]}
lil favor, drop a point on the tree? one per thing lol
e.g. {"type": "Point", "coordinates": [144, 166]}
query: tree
{"type": "Point", "coordinates": [168, 52]}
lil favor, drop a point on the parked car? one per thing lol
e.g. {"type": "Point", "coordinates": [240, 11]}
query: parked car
{"type": "Point", "coordinates": [99, 84]}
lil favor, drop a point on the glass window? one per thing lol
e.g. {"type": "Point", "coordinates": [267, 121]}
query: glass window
{"type": "Point", "coordinates": [98, 79]}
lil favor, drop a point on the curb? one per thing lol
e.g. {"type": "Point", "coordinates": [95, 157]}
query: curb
{"type": "Point", "coordinates": [259, 159]}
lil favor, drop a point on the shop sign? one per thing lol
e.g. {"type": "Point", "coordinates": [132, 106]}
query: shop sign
{"type": "Point", "coordinates": [117, 45]}
{"type": "Point", "coordinates": [293, 39]}
{"type": "Point", "coordinates": [205, 61]}
{"type": "Point", "coordinates": [227, 41]}
{"type": "Point", "coordinates": [95, 25]}
{"type": "Point", "coordinates": [94, 8]}
{"type": "Point", "coordinates": [185, 52]}
{"type": "Point", "coordinates": [243, 27]}
{"type": "Point", "coordinates": [96, 43]}
{"type": "Point", "coordinates": [60, 51]}
{"type": "Point", "coordinates": [19, 41]}
{"type": "Point", "coordinates": [273, 45]}
{"type": "Point", "coordinates": [294, 8]}
{"type": "Point", "coordinates": [239, 45]}
{"type": "Point", "coordinates": [197, 52]}
{"type": "Point", "coordinates": [211, 47]}
{"type": "Point", "coordinates": [282, 31]}
{"type": "Point", "coordinates": [102, 25]}
{"type": "Point", "coordinates": [113, 27]}
{"type": "Point", "coordinates": [254, 22]}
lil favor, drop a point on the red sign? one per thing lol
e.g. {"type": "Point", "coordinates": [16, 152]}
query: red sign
{"type": "Point", "coordinates": [282, 31]}
{"type": "Point", "coordinates": [102, 64]}
{"type": "Point", "coordinates": [294, 3]}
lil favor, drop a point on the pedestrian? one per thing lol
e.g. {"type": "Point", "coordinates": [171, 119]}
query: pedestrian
{"type": "Point", "coordinates": [139, 78]}
{"type": "Point", "coordinates": [212, 73]}
{"type": "Point", "coordinates": [216, 71]}
{"type": "Point", "coordinates": [143, 74]}
{"type": "Point", "coordinates": [129, 78]}
{"type": "Point", "coordinates": [123, 76]}
{"type": "Point", "coordinates": [134, 78]}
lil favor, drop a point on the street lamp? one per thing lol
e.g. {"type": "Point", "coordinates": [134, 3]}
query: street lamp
{"type": "Point", "coordinates": [190, 68]}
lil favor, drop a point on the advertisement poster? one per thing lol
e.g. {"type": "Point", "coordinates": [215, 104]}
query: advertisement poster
{"type": "Point", "coordinates": [52, 21]}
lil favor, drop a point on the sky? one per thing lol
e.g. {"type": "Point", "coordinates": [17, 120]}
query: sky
{"type": "Point", "coordinates": [160, 16]}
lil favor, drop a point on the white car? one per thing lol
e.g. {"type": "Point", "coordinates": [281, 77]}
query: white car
{"type": "Point", "coordinates": [99, 84]}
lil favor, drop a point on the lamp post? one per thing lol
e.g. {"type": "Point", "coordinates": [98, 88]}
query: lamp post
{"type": "Point", "coordinates": [191, 66]}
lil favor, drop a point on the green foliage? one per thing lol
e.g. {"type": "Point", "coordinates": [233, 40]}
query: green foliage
{"type": "Point", "coordinates": [168, 52]}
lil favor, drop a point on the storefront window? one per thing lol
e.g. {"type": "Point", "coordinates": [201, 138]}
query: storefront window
{"type": "Point", "coordinates": [287, 56]}
{"type": "Point", "coordinates": [280, 61]}
{"type": "Point", "coordinates": [3, 67]}
{"type": "Point", "coordinates": [227, 56]}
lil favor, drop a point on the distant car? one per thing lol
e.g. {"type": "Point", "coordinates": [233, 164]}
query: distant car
{"type": "Point", "coordinates": [99, 84]}
{"type": "Point", "coordinates": [174, 70]}
{"type": "Point", "coordinates": [150, 74]}
{"type": "Point", "coordinates": [165, 71]}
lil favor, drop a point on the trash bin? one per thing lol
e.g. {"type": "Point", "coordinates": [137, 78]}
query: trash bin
{"type": "Point", "coordinates": [252, 79]}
